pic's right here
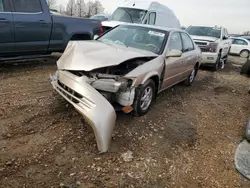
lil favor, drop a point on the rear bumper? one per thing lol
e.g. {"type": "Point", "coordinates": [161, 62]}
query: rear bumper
{"type": "Point", "coordinates": [95, 109]}
{"type": "Point", "coordinates": [209, 58]}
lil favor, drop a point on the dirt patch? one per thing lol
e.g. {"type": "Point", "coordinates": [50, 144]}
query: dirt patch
{"type": "Point", "coordinates": [188, 138]}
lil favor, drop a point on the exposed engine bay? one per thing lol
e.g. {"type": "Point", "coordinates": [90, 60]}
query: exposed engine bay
{"type": "Point", "coordinates": [110, 83]}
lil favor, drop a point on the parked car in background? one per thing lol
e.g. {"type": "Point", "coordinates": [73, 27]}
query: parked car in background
{"type": "Point", "coordinates": [142, 12]}
{"type": "Point", "coordinates": [246, 37]}
{"type": "Point", "coordinates": [129, 65]}
{"type": "Point", "coordinates": [240, 46]}
{"type": "Point", "coordinates": [213, 42]}
{"type": "Point", "coordinates": [28, 29]}
{"type": "Point", "coordinates": [101, 17]}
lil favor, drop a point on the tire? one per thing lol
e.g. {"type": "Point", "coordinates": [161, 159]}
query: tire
{"type": "Point", "coordinates": [216, 66]}
{"type": "Point", "coordinates": [190, 79]}
{"type": "Point", "coordinates": [244, 54]}
{"type": "Point", "coordinates": [141, 104]}
{"type": "Point", "coordinates": [246, 68]}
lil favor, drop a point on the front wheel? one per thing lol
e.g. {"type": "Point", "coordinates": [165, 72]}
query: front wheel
{"type": "Point", "coordinates": [144, 97]}
{"type": "Point", "coordinates": [217, 64]}
{"type": "Point", "coordinates": [190, 79]}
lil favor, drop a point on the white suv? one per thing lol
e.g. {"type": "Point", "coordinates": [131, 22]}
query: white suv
{"type": "Point", "coordinates": [214, 44]}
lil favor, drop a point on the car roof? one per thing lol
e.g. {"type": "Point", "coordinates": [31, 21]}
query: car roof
{"type": "Point", "coordinates": [153, 27]}
{"type": "Point", "coordinates": [241, 38]}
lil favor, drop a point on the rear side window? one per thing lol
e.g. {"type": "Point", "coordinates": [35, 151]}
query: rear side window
{"type": "Point", "coordinates": [239, 42]}
{"type": "Point", "coordinates": [188, 44]}
{"type": "Point", "coordinates": [4, 6]}
{"type": "Point", "coordinates": [152, 18]}
{"type": "Point", "coordinates": [28, 6]}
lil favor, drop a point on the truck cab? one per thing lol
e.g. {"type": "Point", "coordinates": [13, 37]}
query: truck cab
{"type": "Point", "coordinates": [142, 12]}
{"type": "Point", "coordinates": [214, 43]}
{"type": "Point", "coordinates": [28, 29]}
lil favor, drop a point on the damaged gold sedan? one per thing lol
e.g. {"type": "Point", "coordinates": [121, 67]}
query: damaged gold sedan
{"type": "Point", "coordinates": [127, 66]}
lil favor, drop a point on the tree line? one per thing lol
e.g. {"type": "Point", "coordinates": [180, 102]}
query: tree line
{"type": "Point", "coordinates": [77, 7]}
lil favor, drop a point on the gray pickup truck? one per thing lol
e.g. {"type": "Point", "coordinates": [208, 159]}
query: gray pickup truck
{"type": "Point", "coordinates": [28, 29]}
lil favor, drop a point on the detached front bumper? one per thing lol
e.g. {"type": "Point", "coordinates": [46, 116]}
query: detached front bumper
{"type": "Point", "coordinates": [96, 110]}
{"type": "Point", "coordinates": [209, 58]}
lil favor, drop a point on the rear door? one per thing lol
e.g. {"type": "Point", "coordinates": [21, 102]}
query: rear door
{"type": "Point", "coordinates": [188, 55]}
{"type": "Point", "coordinates": [173, 65]}
{"type": "Point", "coordinates": [32, 26]}
{"type": "Point", "coordinates": [6, 28]}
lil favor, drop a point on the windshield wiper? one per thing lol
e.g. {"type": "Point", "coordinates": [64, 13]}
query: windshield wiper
{"type": "Point", "coordinates": [129, 15]}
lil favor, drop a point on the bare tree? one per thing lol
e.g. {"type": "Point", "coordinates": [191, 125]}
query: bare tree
{"type": "Point", "coordinates": [94, 7]}
{"type": "Point", "coordinates": [71, 8]}
{"type": "Point", "coordinates": [61, 9]}
{"type": "Point", "coordinates": [246, 33]}
{"type": "Point", "coordinates": [51, 4]}
{"type": "Point", "coordinates": [98, 8]}
{"type": "Point", "coordinates": [81, 10]}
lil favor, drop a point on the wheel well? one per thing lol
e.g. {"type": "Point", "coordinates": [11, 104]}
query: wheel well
{"type": "Point", "coordinates": [197, 67]}
{"type": "Point", "coordinates": [81, 37]}
{"type": "Point", "coordinates": [244, 50]}
{"type": "Point", "coordinates": [156, 81]}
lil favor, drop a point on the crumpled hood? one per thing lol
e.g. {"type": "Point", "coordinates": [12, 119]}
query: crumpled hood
{"type": "Point", "coordinates": [90, 55]}
{"type": "Point", "coordinates": [204, 38]}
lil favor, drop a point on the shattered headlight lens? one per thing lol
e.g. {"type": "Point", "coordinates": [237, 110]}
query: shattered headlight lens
{"type": "Point", "coordinates": [126, 83]}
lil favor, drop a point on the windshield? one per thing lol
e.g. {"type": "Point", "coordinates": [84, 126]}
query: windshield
{"type": "Point", "coordinates": [129, 15]}
{"type": "Point", "coordinates": [205, 31]}
{"type": "Point", "coordinates": [142, 38]}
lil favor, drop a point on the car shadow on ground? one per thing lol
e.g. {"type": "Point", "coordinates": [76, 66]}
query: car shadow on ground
{"type": "Point", "coordinates": [20, 65]}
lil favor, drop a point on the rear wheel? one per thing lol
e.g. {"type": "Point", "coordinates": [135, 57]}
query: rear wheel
{"type": "Point", "coordinates": [244, 53]}
{"type": "Point", "coordinates": [144, 97]}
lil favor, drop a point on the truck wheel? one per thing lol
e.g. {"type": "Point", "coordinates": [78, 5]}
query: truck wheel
{"type": "Point", "coordinates": [217, 64]}
{"type": "Point", "coordinates": [244, 53]}
{"type": "Point", "coordinates": [144, 97]}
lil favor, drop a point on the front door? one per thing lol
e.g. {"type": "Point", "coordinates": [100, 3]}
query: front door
{"type": "Point", "coordinates": [6, 28]}
{"type": "Point", "coordinates": [173, 65]}
{"type": "Point", "coordinates": [188, 54]}
{"type": "Point", "coordinates": [32, 26]}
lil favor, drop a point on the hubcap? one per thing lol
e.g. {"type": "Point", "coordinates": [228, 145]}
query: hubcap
{"type": "Point", "coordinates": [146, 98]}
{"type": "Point", "coordinates": [244, 54]}
{"type": "Point", "coordinates": [192, 75]}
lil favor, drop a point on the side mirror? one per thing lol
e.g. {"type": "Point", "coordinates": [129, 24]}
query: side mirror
{"type": "Point", "coordinates": [96, 37]}
{"type": "Point", "coordinates": [174, 53]}
{"type": "Point", "coordinates": [225, 38]}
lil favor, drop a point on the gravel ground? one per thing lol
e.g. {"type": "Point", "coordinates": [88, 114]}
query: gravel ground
{"type": "Point", "coordinates": [188, 138]}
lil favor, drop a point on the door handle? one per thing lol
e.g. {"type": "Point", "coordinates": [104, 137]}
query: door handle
{"type": "Point", "coordinates": [3, 20]}
{"type": "Point", "coordinates": [42, 22]}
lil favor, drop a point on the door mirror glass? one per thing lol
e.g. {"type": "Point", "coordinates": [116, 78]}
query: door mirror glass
{"type": "Point", "coordinates": [174, 53]}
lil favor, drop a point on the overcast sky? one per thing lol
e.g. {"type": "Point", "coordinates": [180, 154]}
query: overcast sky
{"type": "Point", "coordinates": [232, 14]}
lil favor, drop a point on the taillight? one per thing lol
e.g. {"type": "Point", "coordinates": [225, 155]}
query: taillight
{"type": "Point", "coordinates": [101, 30]}
{"type": "Point", "coordinates": [212, 47]}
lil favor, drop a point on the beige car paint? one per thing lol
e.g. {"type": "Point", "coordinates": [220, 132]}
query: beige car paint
{"type": "Point", "coordinates": [91, 55]}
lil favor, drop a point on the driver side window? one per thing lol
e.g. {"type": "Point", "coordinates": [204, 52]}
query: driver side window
{"type": "Point", "coordinates": [175, 42]}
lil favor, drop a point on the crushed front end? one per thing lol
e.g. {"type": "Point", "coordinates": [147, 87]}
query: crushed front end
{"type": "Point", "coordinates": [92, 94]}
